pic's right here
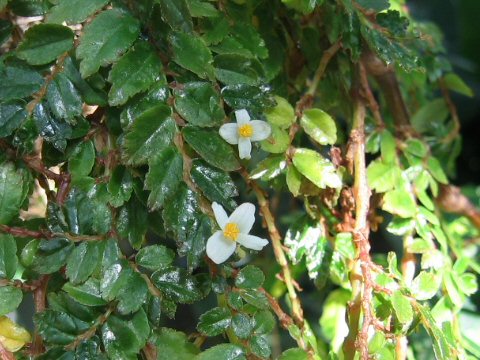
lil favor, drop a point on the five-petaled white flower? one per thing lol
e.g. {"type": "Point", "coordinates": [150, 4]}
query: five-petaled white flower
{"type": "Point", "coordinates": [222, 244]}
{"type": "Point", "coordinates": [244, 132]}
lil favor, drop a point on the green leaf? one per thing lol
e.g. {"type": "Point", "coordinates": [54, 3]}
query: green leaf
{"type": "Point", "coordinates": [304, 6]}
{"type": "Point", "coordinates": [250, 277]}
{"type": "Point", "coordinates": [294, 180]}
{"type": "Point", "coordinates": [82, 261]}
{"type": "Point", "coordinates": [278, 141]}
{"type": "Point", "coordinates": [416, 147]}
{"type": "Point", "coordinates": [320, 126]}
{"type": "Point", "coordinates": [400, 202]}
{"type": "Point", "coordinates": [105, 39]}
{"type": "Point", "coordinates": [242, 325]}
{"type": "Point", "coordinates": [123, 337]}
{"type": "Point", "coordinates": [294, 354]}
{"type": "Point", "coordinates": [51, 255]}
{"type": "Point", "coordinates": [317, 169]}
{"type": "Point", "coordinates": [377, 5]}
{"type": "Point", "coordinates": [120, 186]}
{"type": "Point", "coordinates": [216, 185]}
{"type": "Point", "coordinates": [151, 132]}
{"type": "Point", "coordinates": [18, 82]}
{"type": "Point", "coordinates": [87, 293]}
{"type": "Point", "coordinates": [269, 168]}
{"type": "Point", "coordinates": [51, 129]}
{"type": "Point", "coordinates": [199, 104]}
{"type": "Point", "coordinates": [132, 222]}
{"type": "Point", "coordinates": [425, 286]}
{"type": "Point", "coordinates": [435, 168]}
{"type": "Point", "coordinates": [12, 183]}
{"type": "Point", "coordinates": [12, 115]}
{"type": "Point", "coordinates": [59, 328]}
{"type": "Point", "coordinates": [402, 307]}
{"type": "Point", "coordinates": [174, 345]}
{"type": "Point", "coordinates": [154, 257]}
{"type": "Point", "coordinates": [235, 69]}
{"type": "Point", "coordinates": [165, 172]}
{"type": "Point", "coordinates": [10, 299]}
{"type": "Point", "coordinates": [282, 115]}
{"type": "Point", "coordinates": [248, 37]}
{"type": "Point", "coordinates": [73, 11]}
{"type": "Point", "coordinates": [394, 22]}
{"type": "Point", "coordinates": [264, 322]}
{"type": "Point", "coordinates": [191, 53]}
{"type": "Point", "coordinates": [255, 298]}
{"type": "Point", "coordinates": [8, 256]}
{"type": "Point", "coordinates": [433, 112]}
{"type": "Point", "coordinates": [176, 14]}
{"type": "Point", "coordinates": [214, 321]}
{"type": "Point", "coordinates": [468, 284]}
{"type": "Point", "coordinates": [260, 346]}
{"type": "Point", "coordinates": [177, 285]}
{"type": "Point", "coordinates": [64, 99]}
{"type": "Point", "coordinates": [455, 83]}
{"type": "Point", "coordinates": [382, 177]}
{"type": "Point", "coordinates": [43, 43]}
{"type": "Point", "coordinates": [222, 352]}
{"type": "Point", "coordinates": [199, 8]}
{"type": "Point", "coordinates": [211, 147]}
{"type": "Point", "coordinates": [242, 96]}
{"type": "Point", "coordinates": [133, 73]}
{"type": "Point", "coordinates": [6, 28]}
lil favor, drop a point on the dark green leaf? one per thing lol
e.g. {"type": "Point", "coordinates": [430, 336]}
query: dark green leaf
{"type": "Point", "coordinates": [132, 222]}
{"type": "Point", "coordinates": [18, 82]}
{"type": "Point", "coordinates": [216, 185]}
{"type": "Point", "coordinates": [177, 284]}
{"type": "Point", "coordinates": [264, 322]}
{"type": "Point", "coordinates": [154, 257]}
{"type": "Point", "coordinates": [209, 145]}
{"type": "Point", "coordinates": [10, 298]}
{"type": "Point", "coordinates": [234, 69]}
{"type": "Point", "coordinates": [12, 115]}
{"type": "Point", "coordinates": [82, 261]}
{"type": "Point", "coordinates": [64, 99]}
{"type": "Point", "coordinates": [8, 256]}
{"type": "Point", "coordinates": [377, 5]}
{"type": "Point", "coordinates": [250, 277]}
{"type": "Point", "coordinates": [164, 175]}
{"type": "Point", "coordinates": [214, 321]}
{"type": "Point", "coordinates": [304, 6]}
{"type": "Point", "coordinates": [242, 325]}
{"type": "Point", "coordinates": [246, 34]}
{"type": "Point", "coordinates": [43, 43]}
{"type": "Point", "coordinates": [51, 129]}
{"type": "Point", "coordinates": [59, 328]}
{"type": "Point", "coordinates": [6, 28]}
{"type": "Point", "coordinates": [190, 52]}
{"type": "Point", "coordinates": [151, 132]}
{"type": "Point", "coordinates": [52, 255]}
{"type": "Point", "coordinates": [176, 14]}
{"type": "Point", "coordinates": [87, 294]}
{"type": "Point", "coordinates": [199, 104]}
{"type": "Point", "coordinates": [254, 297]}
{"type": "Point", "coordinates": [104, 39]}
{"type": "Point", "coordinates": [260, 346]}
{"type": "Point", "coordinates": [242, 96]}
{"type": "Point", "coordinates": [222, 352]}
{"type": "Point", "coordinates": [12, 195]}
{"type": "Point", "coordinates": [174, 345]}
{"type": "Point", "coordinates": [134, 72]}
{"type": "Point", "coordinates": [73, 11]}
{"type": "Point", "coordinates": [120, 186]}
{"type": "Point", "coordinates": [394, 22]}
{"type": "Point", "coordinates": [199, 8]}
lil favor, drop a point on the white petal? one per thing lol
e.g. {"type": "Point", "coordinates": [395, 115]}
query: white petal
{"type": "Point", "coordinates": [220, 215]}
{"type": "Point", "coordinates": [244, 217]}
{"type": "Point", "coordinates": [251, 242]}
{"type": "Point", "coordinates": [229, 132]}
{"type": "Point", "coordinates": [242, 117]}
{"type": "Point", "coordinates": [244, 148]}
{"type": "Point", "coordinates": [261, 130]}
{"type": "Point", "coordinates": [219, 249]}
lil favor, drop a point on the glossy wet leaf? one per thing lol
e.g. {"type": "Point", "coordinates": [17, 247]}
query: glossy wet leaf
{"type": "Point", "coordinates": [177, 285]}
{"type": "Point", "coordinates": [154, 257]}
{"type": "Point", "coordinates": [320, 126]}
{"type": "Point", "coordinates": [151, 132]}
{"type": "Point", "coordinates": [10, 298]}
{"type": "Point", "coordinates": [243, 96]}
{"type": "Point", "coordinates": [53, 130]}
{"type": "Point", "coordinates": [222, 352]}
{"type": "Point", "coordinates": [174, 345]}
{"type": "Point", "coordinates": [242, 325]}
{"type": "Point", "coordinates": [250, 277]}
{"type": "Point", "coordinates": [51, 255]}
{"type": "Point", "coordinates": [8, 256]}
{"type": "Point", "coordinates": [199, 104]}
{"type": "Point", "coordinates": [134, 72]}
{"type": "Point", "coordinates": [211, 147]}
{"type": "Point", "coordinates": [19, 81]}
{"type": "Point", "coordinates": [59, 328]}
{"type": "Point", "coordinates": [64, 99]}
{"type": "Point", "coordinates": [12, 195]}
{"type": "Point", "coordinates": [176, 14]}
{"type": "Point", "coordinates": [260, 346]}
{"type": "Point", "coordinates": [43, 43]}
{"type": "Point", "coordinates": [105, 39]}
{"type": "Point", "coordinates": [87, 293]}
{"type": "Point", "coordinates": [82, 261]}
{"type": "Point", "coordinates": [214, 321]}
{"type": "Point", "coordinates": [12, 115]}
{"type": "Point", "coordinates": [164, 176]}
{"type": "Point", "coordinates": [316, 168]}
{"type": "Point", "coordinates": [120, 186]}
{"type": "Point", "coordinates": [73, 11]}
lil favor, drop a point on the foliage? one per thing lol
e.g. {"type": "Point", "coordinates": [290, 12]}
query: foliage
{"type": "Point", "coordinates": [112, 156]}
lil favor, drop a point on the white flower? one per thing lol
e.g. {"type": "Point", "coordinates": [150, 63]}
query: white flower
{"type": "Point", "coordinates": [222, 244]}
{"type": "Point", "coordinates": [244, 132]}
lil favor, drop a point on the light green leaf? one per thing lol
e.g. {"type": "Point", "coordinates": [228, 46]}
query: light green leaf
{"type": "Point", "coordinates": [151, 132]}
{"type": "Point", "coordinates": [402, 307]}
{"type": "Point", "coordinates": [294, 180]}
{"type": "Point", "coordinates": [10, 298]}
{"type": "Point", "coordinates": [432, 112]}
{"type": "Point", "coordinates": [435, 168]}
{"type": "Point", "coordinates": [294, 354]}
{"type": "Point", "coordinates": [425, 286]}
{"type": "Point", "coordinates": [282, 115]}
{"type": "Point", "coordinates": [43, 43]}
{"type": "Point", "coordinates": [400, 202]}
{"type": "Point", "coordinates": [382, 177]}
{"type": "Point", "coordinates": [105, 39]}
{"type": "Point", "coordinates": [269, 168]}
{"type": "Point", "coordinates": [455, 83]}
{"type": "Point", "coordinates": [133, 73]}
{"type": "Point", "coordinates": [277, 142]}
{"type": "Point", "coordinates": [320, 126]}
{"type": "Point", "coordinates": [317, 169]}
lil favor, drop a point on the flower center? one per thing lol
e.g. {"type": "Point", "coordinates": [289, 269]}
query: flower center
{"type": "Point", "coordinates": [231, 231]}
{"type": "Point", "coordinates": [245, 131]}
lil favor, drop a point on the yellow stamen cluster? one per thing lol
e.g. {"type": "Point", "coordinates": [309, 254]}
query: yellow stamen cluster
{"type": "Point", "coordinates": [231, 231]}
{"type": "Point", "coordinates": [245, 131]}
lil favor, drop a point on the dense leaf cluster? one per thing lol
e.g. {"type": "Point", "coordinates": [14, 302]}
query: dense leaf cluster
{"type": "Point", "coordinates": [111, 158]}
